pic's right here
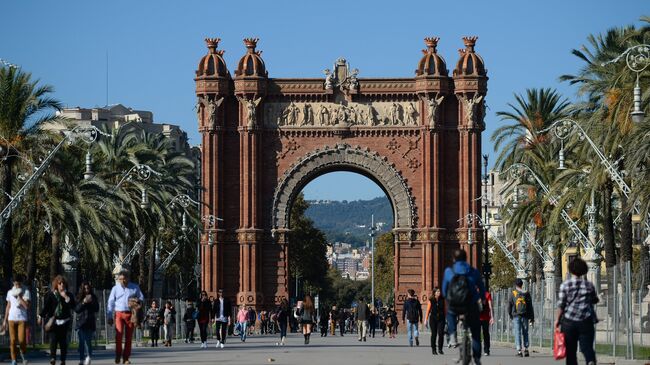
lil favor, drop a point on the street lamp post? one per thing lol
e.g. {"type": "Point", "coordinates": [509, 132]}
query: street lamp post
{"type": "Point", "coordinates": [637, 59]}
{"type": "Point", "coordinates": [373, 229]}
{"type": "Point", "coordinates": [487, 267]}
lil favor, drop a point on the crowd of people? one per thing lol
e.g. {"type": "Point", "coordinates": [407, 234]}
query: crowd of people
{"type": "Point", "coordinates": [462, 294]}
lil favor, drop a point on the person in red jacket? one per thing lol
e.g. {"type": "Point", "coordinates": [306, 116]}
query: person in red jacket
{"type": "Point", "coordinates": [487, 319]}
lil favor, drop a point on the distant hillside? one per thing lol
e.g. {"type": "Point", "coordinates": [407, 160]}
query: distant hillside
{"type": "Point", "coordinates": [349, 222]}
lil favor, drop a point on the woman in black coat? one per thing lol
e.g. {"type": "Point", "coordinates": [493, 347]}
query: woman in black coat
{"type": "Point", "coordinates": [57, 315]}
{"type": "Point", "coordinates": [86, 309]}
{"type": "Point", "coordinates": [436, 320]}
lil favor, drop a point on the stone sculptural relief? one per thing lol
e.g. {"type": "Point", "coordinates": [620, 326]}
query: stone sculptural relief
{"type": "Point", "coordinates": [300, 114]}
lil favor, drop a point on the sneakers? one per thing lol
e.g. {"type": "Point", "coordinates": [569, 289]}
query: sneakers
{"type": "Point", "coordinates": [218, 343]}
{"type": "Point", "coordinates": [87, 361]}
{"type": "Point", "coordinates": [440, 351]}
{"type": "Point", "coordinates": [486, 353]}
{"type": "Point", "coordinates": [117, 359]}
{"type": "Point", "coordinates": [221, 345]}
{"type": "Point", "coordinates": [364, 339]}
{"type": "Point", "coordinates": [520, 354]}
{"type": "Point", "coordinates": [13, 362]}
{"type": "Point", "coordinates": [526, 353]}
{"type": "Point", "coordinates": [417, 341]}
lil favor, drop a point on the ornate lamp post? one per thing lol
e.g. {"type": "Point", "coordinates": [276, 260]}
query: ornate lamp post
{"type": "Point", "coordinates": [373, 229]}
{"type": "Point", "coordinates": [487, 267]}
{"type": "Point", "coordinates": [87, 134]}
{"type": "Point", "coordinates": [637, 59]}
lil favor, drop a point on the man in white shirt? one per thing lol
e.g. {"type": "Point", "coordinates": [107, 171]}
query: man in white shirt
{"type": "Point", "coordinates": [118, 308]}
{"type": "Point", "coordinates": [18, 302]}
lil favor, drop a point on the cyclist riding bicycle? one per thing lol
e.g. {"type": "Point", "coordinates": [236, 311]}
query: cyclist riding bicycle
{"type": "Point", "coordinates": [463, 289]}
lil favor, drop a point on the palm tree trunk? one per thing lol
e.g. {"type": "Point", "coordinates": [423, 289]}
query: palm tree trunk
{"type": "Point", "coordinates": [626, 230]}
{"type": "Point", "coordinates": [152, 266]}
{"type": "Point", "coordinates": [55, 259]}
{"type": "Point", "coordinates": [7, 232]}
{"type": "Point", "coordinates": [610, 245]}
{"type": "Point", "coordinates": [142, 267]}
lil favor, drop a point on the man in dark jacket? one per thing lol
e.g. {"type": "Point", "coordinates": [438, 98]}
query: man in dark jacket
{"type": "Point", "coordinates": [190, 322]}
{"type": "Point", "coordinates": [520, 309]}
{"type": "Point", "coordinates": [222, 312]}
{"type": "Point", "coordinates": [412, 313]}
{"type": "Point", "coordinates": [362, 316]}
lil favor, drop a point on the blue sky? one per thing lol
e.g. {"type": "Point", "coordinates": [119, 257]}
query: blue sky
{"type": "Point", "coordinates": [154, 47]}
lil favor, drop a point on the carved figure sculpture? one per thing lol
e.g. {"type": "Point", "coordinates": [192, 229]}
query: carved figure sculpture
{"type": "Point", "coordinates": [394, 114]}
{"type": "Point", "coordinates": [251, 110]}
{"type": "Point", "coordinates": [292, 114]}
{"type": "Point", "coordinates": [433, 104]}
{"type": "Point", "coordinates": [323, 115]}
{"type": "Point", "coordinates": [472, 108]}
{"type": "Point", "coordinates": [329, 79]}
{"type": "Point", "coordinates": [341, 115]}
{"type": "Point", "coordinates": [410, 115]}
{"type": "Point", "coordinates": [213, 106]}
{"type": "Point", "coordinates": [307, 115]}
{"type": "Point", "coordinates": [352, 79]}
{"type": "Point", "coordinates": [371, 116]}
{"type": "Point", "coordinates": [199, 104]}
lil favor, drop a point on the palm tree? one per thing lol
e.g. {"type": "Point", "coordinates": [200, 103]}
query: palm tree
{"type": "Point", "coordinates": [24, 106]}
{"type": "Point", "coordinates": [608, 92]}
{"type": "Point", "coordinates": [521, 142]}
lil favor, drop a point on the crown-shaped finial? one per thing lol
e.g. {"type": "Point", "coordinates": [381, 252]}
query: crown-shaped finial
{"type": "Point", "coordinates": [212, 43]}
{"type": "Point", "coordinates": [470, 42]}
{"type": "Point", "coordinates": [251, 43]}
{"type": "Point", "coordinates": [431, 43]}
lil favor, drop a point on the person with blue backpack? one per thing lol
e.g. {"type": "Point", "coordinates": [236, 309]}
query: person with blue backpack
{"type": "Point", "coordinates": [464, 291]}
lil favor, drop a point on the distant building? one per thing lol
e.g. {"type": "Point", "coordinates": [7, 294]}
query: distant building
{"type": "Point", "coordinates": [118, 115]}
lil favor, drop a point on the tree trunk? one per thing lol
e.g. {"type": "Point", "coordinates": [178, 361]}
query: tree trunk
{"type": "Point", "coordinates": [7, 232]}
{"type": "Point", "coordinates": [626, 229]}
{"type": "Point", "coordinates": [152, 266]}
{"type": "Point", "coordinates": [142, 277]}
{"type": "Point", "coordinates": [608, 231]}
{"type": "Point", "coordinates": [55, 259]}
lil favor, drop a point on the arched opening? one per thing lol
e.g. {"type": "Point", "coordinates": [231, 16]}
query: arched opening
{"type": "Point", "coordinates": [338, 206]}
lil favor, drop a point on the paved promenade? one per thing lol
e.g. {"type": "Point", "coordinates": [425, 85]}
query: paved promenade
{"type": "Point", "coordinates": [326, 351]}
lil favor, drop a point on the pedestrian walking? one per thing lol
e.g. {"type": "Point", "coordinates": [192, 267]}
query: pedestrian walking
{"type": "Point", "coordinates": [222, 312]}
{"type": "Point", "coordinates": [333, 319]}
{"type": "Point", "coordinates": [282, 317]}
{"type": "Point", "coordinates": [306, 314]}
{"type": "Point", "coordinates": [189, 318]}
{"type": "Point", "coordinates": [16, 317]}
{"type": "Point", "coordinates": [323, 322]}
{"type": "Point", "coordinates": [57, 311]}
{"type": "Point", "coordinates": [86, 321]}
{"type": "Point", "coordinates": [576, 317]}
{"type": "Point", "coordinates": [520, 309]}
{"type": "Point", "coordinates": [154, 320]}
{"type": "Point", "coordinates": [487, 319]}
{"type": "Point", "coordinates": [342, 317]}
{"type": "Point", "coordinates": [435, 318]}
{"type": "Point", "coordinates": [169, 319]}
{"type": "Point", "coordinates": [372, 322]}
{"type": "Point", "coordinates": [204, 308]}
{"type": "Point", "coordinates": [362, 316]}
{"type": "Point", "coordinates": [463, 290]}
{"type": "Point", "coordinates": [242, 322]}
{"type": "Point", "coordinates": [264, 322]}
{"type": "Point", "coordinates": [391, 322]}
{"type": "Point", "coordinates": [412, 313]}
{"type": "Point", "coordinates": [123, 296]}
{"type": "Point", "coordinates": [252, 318]}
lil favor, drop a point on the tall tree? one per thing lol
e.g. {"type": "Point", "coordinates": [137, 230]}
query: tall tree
{"type": "Point", "coordinates": [384, 267]}
{"type": "Point", "coordinates": [24, 106]}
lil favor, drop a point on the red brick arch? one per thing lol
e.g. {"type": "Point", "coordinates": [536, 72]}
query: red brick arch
{"type": "Point", "coordinates": [265, 138]}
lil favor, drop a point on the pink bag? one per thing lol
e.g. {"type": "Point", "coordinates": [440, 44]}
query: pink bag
{"type": "Point", "coordinates": [559, 346]}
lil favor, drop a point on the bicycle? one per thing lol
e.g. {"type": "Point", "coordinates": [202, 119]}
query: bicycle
{"type": "Point", "coordinates": [465, 343]}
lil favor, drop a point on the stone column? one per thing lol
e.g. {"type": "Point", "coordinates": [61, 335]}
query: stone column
{"type": "Point", "coordinates": [592, 255]}
{"type": "Point", "coordinates": [522, 273]}
{"type": "Point", "coordinates": [549, 273]}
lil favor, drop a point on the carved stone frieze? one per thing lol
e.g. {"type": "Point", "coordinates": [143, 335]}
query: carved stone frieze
{"type": "Point", "coordinates": [324, 114]}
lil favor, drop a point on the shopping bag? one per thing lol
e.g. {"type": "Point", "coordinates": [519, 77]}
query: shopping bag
{"type": "Point", "coordinates": [559, 346]}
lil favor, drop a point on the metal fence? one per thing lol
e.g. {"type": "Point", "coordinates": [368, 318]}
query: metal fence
{"type": "Point", "coordinates": [623, 329]}
{"type": "Point", "coordinates": [105, 334]}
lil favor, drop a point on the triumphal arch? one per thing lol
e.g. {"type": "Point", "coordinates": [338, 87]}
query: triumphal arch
{"type": "Point", "coordinates": [264, 139]}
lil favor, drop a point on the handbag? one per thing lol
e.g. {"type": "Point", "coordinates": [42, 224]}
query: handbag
{"type": "Point", "coordinates": [559, 345]}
